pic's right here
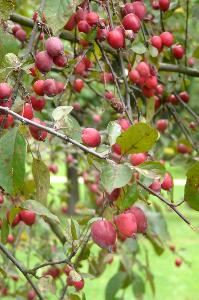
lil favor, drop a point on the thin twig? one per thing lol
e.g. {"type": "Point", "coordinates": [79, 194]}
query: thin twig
{"type": "Point", "coordinates": [186, 31]}
{"type": "Point", "coordinates": [187, 107]}
{"type": "Point", "coordinates": [21, 269]}
{"type": "Point", "coordinates": [172, 206]}
{"type": "Point", "coordinates": [115, 79]}
{"type": "Point", "coordinates": [127, 90]}
{"type": "Point", "coordinates": [186, 133]}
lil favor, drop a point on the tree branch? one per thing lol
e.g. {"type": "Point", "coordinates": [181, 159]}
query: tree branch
{"type": "Point", "coordinates": [178, 69]}
{"type": "Point", "coordinates": [171, 205]}
{"type": "Point", "coordinates": [51, 131]}
{"type": "Point", "coordinates": [21, 269]}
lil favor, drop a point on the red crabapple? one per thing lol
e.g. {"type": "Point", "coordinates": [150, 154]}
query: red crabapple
{"type": "Point", "coordinates": [43, 61]}
{"type": "Point", "coordinates": [53, 168]}
{"type": "Point", "coordinates": [74, 279]}
{"type": "Point", "coordinates": [178, 262]}
{"type": "Point", "coordinates": [27, 111]}
{"type": "Point", "coordinates": [5, 91]}
{"type": "Point", "coordinates": [116, 149]}
{"type": "Point", "coordinates": [91, 137]}
{"type": "Point", "coordinates": [28, 217]}
{"type": "Point", "coordinates": [92, 18]}
{"type": "Point", "coordinates": [37, 103]}
{"type": "Point", "coordinates": [164, 5]}
{"type": "Point", "coordinates": [38, 87]}
{"type": "Point", "coordinates": [38, 133]}
{"type": "Point", "coordinates": [167, 183]}
{"type": "Point", "coordinates": [178, 51]}
{"type": "Point", "coordinates": [54, 46]}
{"type": "Point", "coordinates": [21, 35]}
{"type": "Point", "coordinates": [138, 158]}
{"type": "Point", "coordinates": [60, 60]}
{"type": "Point", "coordinates": [15, 28]}
{"type": "Point", "coordinates": [156, 42]}
{"type": "Point", "coordinates": [103, 234]}
{"type": "Point", "coordinates": [126, 224]}
{"type": "Point", "coordinates": [140, 218]}
{"type": "Point", "coordinates": [83, 26]}
{"type": "Point", "coordinates": [182, 148]}
{"type": "Point", "coordinates": [139, 9]}
{"type": "Point", "coordinates": [49, 87]}
{"type": "Point", "coordinates": [127, 9]}
{"type": "Point", "coordinates": [131, 22]}
{"type": "Point", "coordinates": [143, 69]}
{"type": "Point", "coordinates": [115, 39]}
{"type": "Point", "coordinates": [155, 186]}
{"type": "Point", "coordinates": [124, 124]}
{"type": "Point", "coordinates": [184, 96]}
{"type": "Point", "coordinates": [162, 125]}
{"type": "Point", "coordinates": [10, 239]}
{"type": "Point", "coordinates": [114, 195]}
{"type": "Point", "coordinates": [167, 38]}
{"type": "Point", "coordinates": [78, 85]}
{"type": "Point", "coordinates": [134, 76]}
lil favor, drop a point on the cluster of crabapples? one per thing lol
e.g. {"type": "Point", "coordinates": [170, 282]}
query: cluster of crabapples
{"type": "Point", "coordinates": [26, 216]}
{"type": "Point", "coordinates": [126, 225]}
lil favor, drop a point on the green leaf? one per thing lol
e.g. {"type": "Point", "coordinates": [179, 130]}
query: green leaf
{"type": "Point", "coordinates": [39, 209]}
{"type": "Point", "coordinates": [46, 284]}
{"type": "Point", "coordinates": [75, 229]}
{"type": "Point", "coordinates": [61, 112]}
{"type": "Point", "coordinates": [191, 194]}
{"type": "Point", "coordinates": [114, 285]}
{"type": "Point", "coordinates": [41, 177]}
{"type": "Point", "coordinates": [196, 52]}
{"type": "Point", "coordinates": [115, 176]}
{"type": "Point", "coordinates": [156, 243]}
{"type": "Point", "coordinates": [157, 225]}
{"type": "Point", "coordinates": [12, 214]}
{"type": "Point", "coordinates": [72, 128]}
{"type": "Point", "coordinates": [4, 231]}
{"type": "Point", "coordinates": [114, 130]}
{"type": "Point", "coordinates": [12, 161]}
{"type": "Point", "coordinates": [6, 7]}
{"type": "Point", "coordinates": [91, 36]}
{"type": "Point", "coordinates": [138, 138]}
{"type": "Point", "coordinates": [74, 297]}
{"type": "Point", "coordinates": [3, 272]}
{"type": "Point", "coordinates": [139, 48]}
{"type": "Point", "coordinates": [150, 109]}
{"type": "Point", "coordinates": [128, 199]}
{"type": "Point", "coordinates": [57, 11]}
{"type": "Point", "coordinates": [153, 51]}
{"type": "Point", "coordinates": [8, 44]}
{"type": "Point", "coordinates": [157, 232]}
{"type": "Point", "coordinates": [151, 169]}
{"type": "Point", "coordinates": [11, 60]}
{"type": "Point", "coordinates": [138, 287]}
